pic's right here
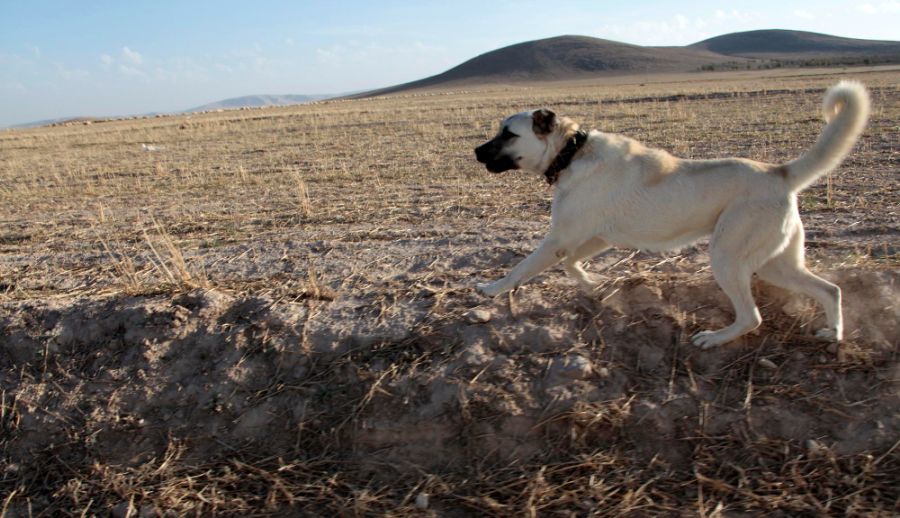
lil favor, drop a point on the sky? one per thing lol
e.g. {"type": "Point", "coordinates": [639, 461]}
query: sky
{"type": "Point", "coordinates": [105, 58]}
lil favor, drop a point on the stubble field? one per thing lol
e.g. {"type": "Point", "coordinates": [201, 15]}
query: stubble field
{"type": "Point", "coordinates": [271, 312]}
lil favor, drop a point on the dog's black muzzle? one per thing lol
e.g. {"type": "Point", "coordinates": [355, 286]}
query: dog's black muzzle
{"type": "Point", "coordinates": [490, 154]}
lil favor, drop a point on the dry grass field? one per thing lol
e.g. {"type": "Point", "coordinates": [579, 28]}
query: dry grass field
{"type": "Point", "coordinates": [270, 312]}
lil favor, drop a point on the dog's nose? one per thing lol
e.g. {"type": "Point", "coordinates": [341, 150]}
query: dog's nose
{"type": "Point", "coordinates": [481, 153]}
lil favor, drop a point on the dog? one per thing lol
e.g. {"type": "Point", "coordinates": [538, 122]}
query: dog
{"type": "Point", "coordinates": [610, 190]}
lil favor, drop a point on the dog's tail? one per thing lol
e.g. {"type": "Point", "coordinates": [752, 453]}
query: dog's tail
{"type": "Point", "coordinates": [846, 109]}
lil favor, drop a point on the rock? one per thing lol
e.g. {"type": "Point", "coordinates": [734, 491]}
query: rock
{"type": "Point", "coordinates": [476, 355]}
{"type": "Point", "coordinates": [422, 500]}
{"type": "Point", "coordinates": [574, 367]}
{"type": "Point", "coordinates": [124, 509]}
{"type": "Point", "coordinates": [767, 364]}
{"type": "Point", "coordinates": [815, 447]}
{"type": "Point", "coordinates": [650, 357]}
{"type": "Point", "coordinates": [478, 316]}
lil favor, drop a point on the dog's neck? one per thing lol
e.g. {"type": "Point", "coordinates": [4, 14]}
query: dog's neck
{"type": "Point", "coordinates": [564, 157]}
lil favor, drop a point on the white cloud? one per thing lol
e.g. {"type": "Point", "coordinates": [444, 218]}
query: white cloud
{"type": "Point", "coordinates": [132, 56]}
{"type": "Point", "coordinates": [106, 59]}
{"type": "Point", "coordinates": [70, 74]}
{"type": "Point", "coordinates": [805, 14]}
{"type": "Point", "coordinates": [680, 29]}
{"type": "Point", "coordinates": [330, 56]}
{"type": "Point", "coordinates": [130, 71]}
{"type": "Point", "coordinates": [891, 6]}
{"type": "Point", "coordinates": [734, 14]}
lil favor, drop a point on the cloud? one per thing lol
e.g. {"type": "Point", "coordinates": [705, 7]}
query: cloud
{"type": "Point", "coordinates": [70, 74]}
{"type": "Point", "coordinates": [678, 29]}
{"type": "Point", "coordinates": [130, 71]}
{"type": "Point", "coordinates": [132, 56]}
{"type": "Point", "coordinates": [734, 14]}
{"type": "Point", "coordinates": [805, 14]}
{"type": "Point", "coordinates": [106, 59]}
{"type": "Point", "coordinates": [36, 51]}
{"type": "Point", "coordinates": [891, 6]}
{"type": "Point", "coordinates": [330, 56]}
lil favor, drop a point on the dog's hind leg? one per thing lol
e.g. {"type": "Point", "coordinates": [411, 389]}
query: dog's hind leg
{"type": "Point", "coordinates": [745, 238]}
{"type": "Point", "coordinates": [788, 271]}
{"type": "Point", "coordinates": [550, 252]}
{"type": "Point", "coordinates": [586, 250]}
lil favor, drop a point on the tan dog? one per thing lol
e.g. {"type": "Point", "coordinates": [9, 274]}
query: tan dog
{"type": "Point", "coordinates": [613, 191]}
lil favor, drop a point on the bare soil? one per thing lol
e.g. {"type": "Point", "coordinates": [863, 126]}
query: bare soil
{"type": "Point", "coordinates": [272, 314]}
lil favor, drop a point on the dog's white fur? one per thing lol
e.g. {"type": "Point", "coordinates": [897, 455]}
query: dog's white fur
{"type": "Point", "coordinates": [616, 192]}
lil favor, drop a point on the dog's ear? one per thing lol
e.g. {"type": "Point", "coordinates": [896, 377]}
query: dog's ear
{"type": "Point", "coordinates": [543, 121]}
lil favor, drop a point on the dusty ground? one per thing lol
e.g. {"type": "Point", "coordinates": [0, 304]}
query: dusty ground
{"type": "Point", "coordinates": [273, 313]}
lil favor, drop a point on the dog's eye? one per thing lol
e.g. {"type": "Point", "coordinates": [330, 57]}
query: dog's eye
{"type": "Point", "coordinates": [507, 134]}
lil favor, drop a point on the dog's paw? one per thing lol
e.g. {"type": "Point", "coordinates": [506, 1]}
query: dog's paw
{"type": "Point", "coordinates": [830, 334]}
{"type": "Point", "coordinates": [489, 289]}
{"type": "Point", "coordinates": [707, 339]}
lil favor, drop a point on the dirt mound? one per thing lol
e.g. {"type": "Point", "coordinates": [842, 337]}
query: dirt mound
{"type": "Point", "coordinates": [442, 403]}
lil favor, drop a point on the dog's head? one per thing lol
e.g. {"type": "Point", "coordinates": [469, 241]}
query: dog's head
{"type": "Point", "coordinates": [527, 140]}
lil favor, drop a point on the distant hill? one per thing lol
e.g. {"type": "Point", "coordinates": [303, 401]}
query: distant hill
{"type": "Point", "coordinates": [777, 43]}
{"type": "Point", "coordinates": [247, 101]}
{"type": "Point", "coordinates": [53, 122]}
{"type": "Point", "coordinates": [257, 101]}
{"type": "Point", "coordinates": [573, 57]}
{"type": "Point", "coordinates": [564, 57]}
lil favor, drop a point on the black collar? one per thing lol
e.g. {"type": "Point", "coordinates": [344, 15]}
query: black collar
{"type": "Point", "coordinates": [564, 158]}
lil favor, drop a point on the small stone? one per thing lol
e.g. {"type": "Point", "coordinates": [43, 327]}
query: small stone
{"type": "Point", "coordinates": [478, 316]}
{"type": "Point", "coordinates": [123, 510]}
{"type": "Point", "coordinates": [476, 355]}
{"type": "Point", "coordinates": [603, 372]}
{"type": "Point", "coordinates": [422, 500]}
{"type": "Point", "coordinates": [767, 364]}
{"type": "Point", "coordinates": [572, 367]}
{"type": "Point", "coordinates": [815, 447]}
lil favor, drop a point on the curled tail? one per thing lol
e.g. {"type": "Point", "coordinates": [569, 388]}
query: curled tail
{"type": "Point", "coordinates": [846, 109]}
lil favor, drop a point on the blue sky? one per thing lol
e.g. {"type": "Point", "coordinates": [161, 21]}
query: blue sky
{"type": "Point", "coordinates": [99, 58]}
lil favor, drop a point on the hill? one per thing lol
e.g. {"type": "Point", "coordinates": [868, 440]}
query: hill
{"type": "Point", "coordinates": [247, 101]}
{"type": "Point", "coordinates": [562, 58]}
{"type": "Point", "coordinates": [574, 57]}
{"type": "Point", "coordinates": [777, 43]}
{"type": "Point", "coordinates": [257, 101]}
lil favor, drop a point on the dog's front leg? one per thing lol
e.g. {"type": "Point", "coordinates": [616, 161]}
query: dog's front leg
{"type": "Point", "coordinates": [550, 252]}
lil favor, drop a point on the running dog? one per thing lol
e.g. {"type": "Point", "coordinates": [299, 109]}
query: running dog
{"type": "Point", "coordinates": [610, 190]}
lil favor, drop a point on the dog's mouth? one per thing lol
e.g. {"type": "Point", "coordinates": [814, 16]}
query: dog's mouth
{"type": "Point", "coordinates": [500, 164]}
